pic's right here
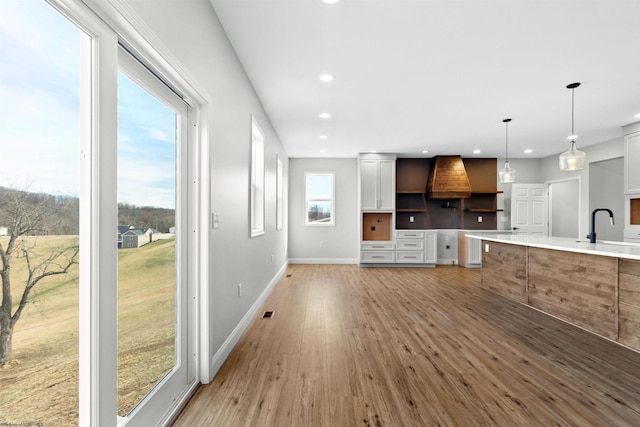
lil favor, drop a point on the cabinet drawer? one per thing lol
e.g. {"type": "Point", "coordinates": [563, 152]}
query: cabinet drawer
{"type": "Point", "coordinates": [410, 257]}
{"type": "Point", "coordinates": [631, 233]}
{"type": "Point", "coordinates": [378, 246]}
{"type": "Point", "coordinates": [377, 256]}
{"type": "Point", "coordinates": [407, 234]}
{"type": "Point", "coordinates": [410, 244]}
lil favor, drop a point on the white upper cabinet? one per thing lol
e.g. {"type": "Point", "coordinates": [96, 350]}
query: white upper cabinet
{"type": "Point", "coordinates": [377, 184]}
{"type": "Point", "coordinates": [632, 162]}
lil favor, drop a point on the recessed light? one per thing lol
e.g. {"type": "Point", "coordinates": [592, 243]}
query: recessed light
{"type": "Point", "coordinates": [476, 151]}
{"type": "Point", "coordinates": [327, 78]}
{"type": "Point", "coordinates": [324, 137]}
{"type": "Point", "coordinates": [323, 151]}
{"type": "Point", "coordinates": [528, 151]}
{"type": "Point", "coordinates": [425, 151]}
{"type": "Point", "coordinates": [330, 1]}
{"type": "Point", "coordinates": [324, 115]}
{"type": "Point", "coordinates": [373, 151]}
{"type": "Point", "coordinates": [637, 116]}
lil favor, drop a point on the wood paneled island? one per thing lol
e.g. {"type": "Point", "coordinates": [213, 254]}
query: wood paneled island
{"type": "Point", "coordinates": [595, 286]}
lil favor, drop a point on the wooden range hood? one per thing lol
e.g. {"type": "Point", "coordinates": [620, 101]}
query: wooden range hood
{"type": "Point", "coordinates": [448, 179]}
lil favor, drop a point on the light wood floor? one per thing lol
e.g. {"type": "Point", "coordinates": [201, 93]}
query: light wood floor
{"type": "Point", "coordinates": [353, 346]}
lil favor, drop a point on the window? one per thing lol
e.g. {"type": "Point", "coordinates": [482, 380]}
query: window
{"type": "Point", "coordinates": [279, 194]}
{"type": "Point", "coordinates": [257, 179]}
{"type": "Point", "coordinates": [319, 198]}
{"type": "Point", "coordinates": [40, 198]}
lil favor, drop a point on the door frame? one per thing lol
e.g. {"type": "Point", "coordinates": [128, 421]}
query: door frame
{"type": "Point", "coordinates": [106, 24]}
{"type": "Point", "coordinates": [550, 202]}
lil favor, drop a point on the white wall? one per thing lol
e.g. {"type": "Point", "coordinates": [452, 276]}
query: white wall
{"type": "Point", "coordinates": [564, 214]}
{"type": "Point", "coordinates": [317, 245]}
{"type": "Point", "coordinates": [192, 33]}
{"type": "Point", "coordinates": [549, 171]}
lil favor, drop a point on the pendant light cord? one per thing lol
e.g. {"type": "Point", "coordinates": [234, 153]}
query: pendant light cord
{"type": "Point", "coordinates": [573, 87]}
{"type": "Point", "coordinates": [506, 139]}
{"type": "Point", "coordinates": [573, 91]}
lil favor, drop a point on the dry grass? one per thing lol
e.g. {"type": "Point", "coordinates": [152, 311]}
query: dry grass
{"type": "Point", "coordinates": [40, 385]}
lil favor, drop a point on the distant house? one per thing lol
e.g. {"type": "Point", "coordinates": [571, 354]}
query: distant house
{"type": "Point", "coordinates": [4, 231]}
{"type": "Point", "coordinates": [135, 237]}
{"type": "Point", "coordinates": [121, 230]}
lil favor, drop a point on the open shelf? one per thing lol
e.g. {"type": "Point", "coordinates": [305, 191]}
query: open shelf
{"type": "Point", "coordinates": [412, 210]}
{"type": "Point", "coordinates": [480, 210]}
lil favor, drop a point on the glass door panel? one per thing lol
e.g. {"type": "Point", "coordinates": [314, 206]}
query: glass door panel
{"type": "Point", "coordinates": [151, 335]}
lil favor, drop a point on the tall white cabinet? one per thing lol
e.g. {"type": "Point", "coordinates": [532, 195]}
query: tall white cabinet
{"type": "Point", "coordinates": [380, 243]}
{"type": "Point", "coordinates": [632, 182]}
{"type": "Point", "coordinates": [377, 183]}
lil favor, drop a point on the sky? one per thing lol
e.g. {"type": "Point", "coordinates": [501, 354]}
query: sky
{"type": "Point", "coordinates": [39, 114]}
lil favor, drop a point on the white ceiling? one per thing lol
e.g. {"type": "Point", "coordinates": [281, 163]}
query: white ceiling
{"type": "Point", "coordinates": [439, 74]}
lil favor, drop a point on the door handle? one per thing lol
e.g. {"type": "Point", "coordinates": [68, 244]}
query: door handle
{"type": "Point", "coordinates": [516, 228]}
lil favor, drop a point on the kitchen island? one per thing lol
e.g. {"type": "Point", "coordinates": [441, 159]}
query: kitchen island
{"type": "Point", "coordinates": [595, 286]}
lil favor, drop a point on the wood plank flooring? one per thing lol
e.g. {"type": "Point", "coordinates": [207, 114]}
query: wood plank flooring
{"type": "Point", "coordinates": [352, 346]}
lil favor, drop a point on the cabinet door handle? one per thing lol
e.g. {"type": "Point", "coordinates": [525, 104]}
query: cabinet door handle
{"type": "Point", "coordinates": [378, 256]}
{"type": "Point", "coordinates": [377, 247]}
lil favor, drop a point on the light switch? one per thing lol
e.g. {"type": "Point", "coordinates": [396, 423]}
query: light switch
{"type": "Point", "coordinates": [479, 218]}
{"type": "Point", "coordinates": [215, 220]}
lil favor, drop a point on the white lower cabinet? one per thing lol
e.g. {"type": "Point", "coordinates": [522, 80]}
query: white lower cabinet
{"type": "Point", "coordinates": [377, 252]}
{"type": "Point", "coordinates": [632, 235]}
{"type": "Point", "coordinates": [410, 247]}
{"type": "Point", "coordinates": [410, 257]}
{"type": "Point", "coordinates": [416, 246]}
{"type": "Point", "coordinates": [431, 247]}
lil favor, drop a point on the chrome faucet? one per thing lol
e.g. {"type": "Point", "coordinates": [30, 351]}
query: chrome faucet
{"type": "Point", "coordinates": [592, 235]}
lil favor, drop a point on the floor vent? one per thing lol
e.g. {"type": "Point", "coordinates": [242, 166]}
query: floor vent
{"type": "Point", "coordinates": [268, 314]}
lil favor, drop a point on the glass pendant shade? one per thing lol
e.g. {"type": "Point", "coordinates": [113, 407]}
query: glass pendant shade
{"type": "Point", "coordinates": [572, 159]}
{"type": "Point", "coordinates": [507, 174]}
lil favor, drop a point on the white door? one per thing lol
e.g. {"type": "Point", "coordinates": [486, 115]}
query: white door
{"type": "Point", "coordinates": [529, 211]}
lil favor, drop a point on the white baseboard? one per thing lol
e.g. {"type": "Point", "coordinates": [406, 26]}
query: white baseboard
{"type": "Point", "coordinates": [223, 352]}
{"type": "Point", "coordinates": [323, 261]}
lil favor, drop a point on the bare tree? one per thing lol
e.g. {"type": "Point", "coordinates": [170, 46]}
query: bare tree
{"type": "Point", "coordinates": [22, 220]}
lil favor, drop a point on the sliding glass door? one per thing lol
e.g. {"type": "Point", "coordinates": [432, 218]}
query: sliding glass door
{"type": "Point", "coordinates": [152, 243]}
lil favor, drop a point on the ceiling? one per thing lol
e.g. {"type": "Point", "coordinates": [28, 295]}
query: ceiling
{"type": "Point", "coordinates": [439, 75]}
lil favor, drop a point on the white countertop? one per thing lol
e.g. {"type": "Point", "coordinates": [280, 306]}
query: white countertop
{"type": "Point", "coordinates": [604, 248]}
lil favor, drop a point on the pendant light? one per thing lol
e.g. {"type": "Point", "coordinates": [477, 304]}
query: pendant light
{"type": "Point", "coordinates": [573, 159]}
{"type": "Point", "coordinates": [507, 174]}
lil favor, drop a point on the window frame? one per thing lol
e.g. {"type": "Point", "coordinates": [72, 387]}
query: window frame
{"type": "Point", "coordinates": [332, 200]}
{"type": "Point", "coordinates": [256, 181]}
{"type": "Point", "coordinates": [105, 26]}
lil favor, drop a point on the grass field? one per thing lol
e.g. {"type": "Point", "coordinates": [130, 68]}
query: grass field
{"type": "Point", "coordinates": [40, 384]}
